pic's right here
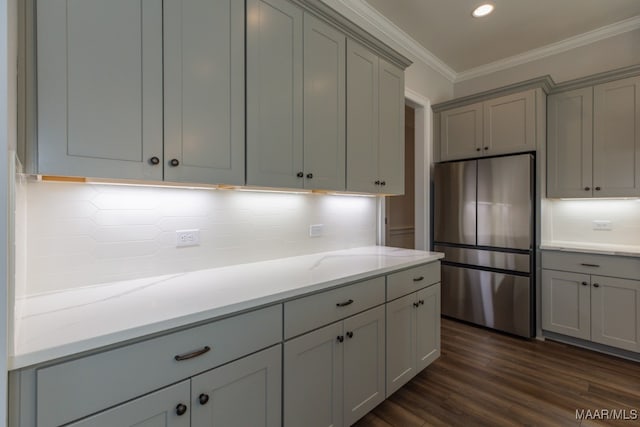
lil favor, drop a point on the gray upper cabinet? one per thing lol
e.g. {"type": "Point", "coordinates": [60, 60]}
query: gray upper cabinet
{"type": "Point", "coordinates": [594, 141]}
{"type": "Point", "coordinates": [616, 138]}
{"type": "Point", "coordinates": [501, 125]}
{"type": "Point", "coordinates": [375, 128]}
{"type": "Point", "coordinates": [204, 91]}
{"type": "Point", "coordinates": [569, 143]}
{"type": "Point", "coordinates": [274, 94]}
{"type": "Point", "coordinates": [100, 88]}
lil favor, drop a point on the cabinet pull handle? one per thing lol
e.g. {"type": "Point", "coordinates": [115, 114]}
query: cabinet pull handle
{"type": "Point", "coordinates": [181, 409]}
{"type": "Point", "coordinates": [154, 160]}
{"type": "Point", "coordinates": [174, 162]}
{"type": "Point", "coordinates": [595, 285]}
{"type": "Point", "coordinates": [585, 284]}
{"type": "Point", "coordinates": [193, 354]}
{"type": "Point", "coordinates": [203, 398]}
{"type": "Point", "coordinates": [340, 338]}
{"type": "Point", "coordinates": [344, 304]}
{"type": "Point", "coordinates": [300, 174]}
{"type": "Point", "coordinates": [349, 334]}
{"type": "Point", "coordinates": [418, 279]}
{"type": "Point", "coordinates": [586, 264]}
{"type": "Point", "coordinates": [587, 188]}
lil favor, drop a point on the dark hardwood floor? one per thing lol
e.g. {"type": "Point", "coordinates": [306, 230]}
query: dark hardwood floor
{"type": "Point", "coordinates": [485, 378]}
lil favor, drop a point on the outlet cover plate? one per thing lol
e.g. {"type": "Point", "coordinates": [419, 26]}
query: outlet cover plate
{"type": "Point", "coordinates": [316, 230]}
{"type": "Point", "coordinates": [187, 238]}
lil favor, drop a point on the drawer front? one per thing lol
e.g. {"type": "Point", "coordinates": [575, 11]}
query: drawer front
{"type": "Point", "coordinates": [304, 314]}
{"type": "Point", "coordinates": [410, 280]}
{"type": "Point", "coordinates": [80, 387]}
{"type": "Point", "coordinates": [603, 265]}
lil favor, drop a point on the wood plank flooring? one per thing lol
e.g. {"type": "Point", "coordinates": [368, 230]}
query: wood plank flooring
{"type": "Point", "coordinates": [485, 378]}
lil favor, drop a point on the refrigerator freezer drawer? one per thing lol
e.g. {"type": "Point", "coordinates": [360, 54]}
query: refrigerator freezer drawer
{"type": "Point", "coordinates": [498, 301]}
{"type": "Point", "coordinates": [485, 258]}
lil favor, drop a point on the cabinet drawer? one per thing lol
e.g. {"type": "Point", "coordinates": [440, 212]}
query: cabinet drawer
{"type": "Point", "coordinates": [304, 314]}
{"type": "Point", "coordinates": [410, 280]}
{"type": "Point", "coordinates": [603, 265]}
{"type": "Point", "coordinates": [80, 387]}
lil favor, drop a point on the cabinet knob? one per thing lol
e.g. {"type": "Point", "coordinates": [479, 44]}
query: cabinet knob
{"type": "Point", "coordinates": [309, 175]}
{"type": "Point", "coordinates": [349, 334]}
{"type": "Point", "coordinates": [174, 162]}
{"type": "Point", "coordinates": [154, 160]}
{"type": "Point", "coordinates": [181, 409]}
{"type": "Point", "coordinates": [300, 174]}
{"type": "Point", "coordinates": [597, 188]}
{"type": "Point", "coordinates": [486, 148]}
{"type": "Point", "coordinates": [377, 183]}
{"type": "Point", "coordinates": [383, 183]}
{"type": "Point", "coordinates": [421, 302]}
{"type": "Point", "coordinates": [585, 284]}
{"type": "Point", "coordinates": [587, 188]}
{"type": "Point", "coordinates": [478, 149]}
{"type": "Point", "coordinates": [340, 338]}
{"type": "Point", "coordinates": [416, 304]}
{"type": "Point", "coordinates": [203, 398]}
{"type": "Point", "coordinates": [595, 285]}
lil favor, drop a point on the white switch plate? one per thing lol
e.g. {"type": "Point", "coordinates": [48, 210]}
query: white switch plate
{"type": "Point", "coordinates": [187, 238]}
{"type": "Point", "coordinates": [601, 224]}
{"type": "Point", "coordinates": [316, 230]}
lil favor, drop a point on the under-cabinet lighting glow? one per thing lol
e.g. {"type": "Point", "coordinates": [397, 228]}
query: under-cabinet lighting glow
{"type": "Point", "coordinates": [483, 10]}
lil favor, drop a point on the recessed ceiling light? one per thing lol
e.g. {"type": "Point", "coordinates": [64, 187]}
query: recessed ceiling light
{"type": "Point", "coordinates": [482, 10]}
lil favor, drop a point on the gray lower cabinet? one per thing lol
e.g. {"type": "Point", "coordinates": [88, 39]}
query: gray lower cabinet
{"type": "Point", "coordinates": [413, 335]}
{"type": "Point", "coordinates": [375, 128]}
{"type": "Point", "coordinates": [107, 68]}
{"type": "Point", "coordinates": [594, 141]}
{"type": "Point", "coordinates": [579, 301]}
{"type": "Point", "coordinates": [335, 375]}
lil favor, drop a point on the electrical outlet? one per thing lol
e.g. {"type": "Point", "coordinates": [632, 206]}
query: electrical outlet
{"type": "Point", "coordinates": [187, 238]}
{"type": "Point", "coordinates": [316, 230]}
{"type": "Point", "coordinates": [601, 224]}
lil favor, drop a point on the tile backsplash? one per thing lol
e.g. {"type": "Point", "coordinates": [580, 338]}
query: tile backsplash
{"type": "Point", "coordinates": [572, 221]}
{"type": "Point", "coordinates": [85, 234]}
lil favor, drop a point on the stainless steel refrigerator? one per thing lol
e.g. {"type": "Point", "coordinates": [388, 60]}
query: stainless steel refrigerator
{"type": "Point", "coordinates": [483, 221]}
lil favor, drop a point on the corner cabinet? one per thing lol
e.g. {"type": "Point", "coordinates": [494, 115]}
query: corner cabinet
{"type": "Point", "coordinates": [594, 141]}
{"type": "Point", "coordinates": [501, 125]}
{"type": "Point", "coordinates": [592, 297]}
{"type": "Point", "coordinates": [375, 123]}
{"type": "Point", "coordinates": [105, 70]}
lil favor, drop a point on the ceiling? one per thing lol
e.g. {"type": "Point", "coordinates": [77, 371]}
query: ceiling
{"type": "Point", "coordinates": [447, 29]}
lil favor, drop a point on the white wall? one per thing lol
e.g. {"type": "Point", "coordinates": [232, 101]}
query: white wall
{"type": "Point", "coordinates": [85, 234]}
{"type": "Point", "coordinates": [570, 221]}
{"type": "Point", "coordinates": [607, 54]}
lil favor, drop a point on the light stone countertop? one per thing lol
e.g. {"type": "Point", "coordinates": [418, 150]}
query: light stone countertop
{"type": "Point", "coordinates": [47, 327]}
{"type": "Point", "coordinates": [592, 248]}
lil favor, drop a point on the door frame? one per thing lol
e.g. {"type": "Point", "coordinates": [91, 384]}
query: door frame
{"type": "Point", "coordinates": [423, 166]}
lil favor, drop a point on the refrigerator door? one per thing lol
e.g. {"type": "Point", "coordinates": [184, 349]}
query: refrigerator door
{"type": "Point", "coordinates": [454, 193]}
{"type": "Point", "coordinates": [499, 301]}
{"type": "Point", "coordinates": [505, 202]}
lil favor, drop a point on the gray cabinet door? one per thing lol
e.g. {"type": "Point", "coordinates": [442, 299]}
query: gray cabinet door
{"type": "Point", "coordinates": [313, 378]}
{"type": "Point", "coordinates": [570, 143]}
{"type": "Point", "coordinates": [274, 93]}
{"type": "Point", "coordinates": [615, 312]}
{"type": "Point", "coordinates": [391, 129]}
{"type": "Point", "coordinates": [100, 88]}
{"type": "Point", "coordinates": [510, 124]}
{"type": "Point", "coordinates": [157, 409]}
{"type": "Point", "coordinates": [324, 106]}
{"type": "Point", "coordinates": [243, 393]}
{"type": "Point", "coordinates": [204, 91]}
{"type": "Point", "coordinates": [427, 326]}
{"type": "Point", "coordinates": [461, 134]}
{"type": "Point", "coordinates": [364, 363]}
{"type": "Point", "coordinates": [401, 342]}
{"type": "Point", "coordinates": [362, 116]}
{"type": "Point", "coordinates": [616, 138]}
{"type": "Point", "coordinates": [566, 303]}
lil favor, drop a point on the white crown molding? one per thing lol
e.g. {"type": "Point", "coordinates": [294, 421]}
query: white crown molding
{"type": "Point", "coordinates": [598, 34]}
{"type": "Point", "coordinates": [394, 35]}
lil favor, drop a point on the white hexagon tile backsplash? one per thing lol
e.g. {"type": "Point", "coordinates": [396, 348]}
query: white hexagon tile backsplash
{"type": "Point", "coordinates": [85, 234]}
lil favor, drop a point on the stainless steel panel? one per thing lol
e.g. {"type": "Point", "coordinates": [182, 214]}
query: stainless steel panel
{"type": "Point", "coordinates": [455, 202]}
{"type": "Point", "coordinates": [505, 195]}
{"type": "Point", "coordinates": [484, 258]}
{"type": "Point", "coordinates": [499, 301]}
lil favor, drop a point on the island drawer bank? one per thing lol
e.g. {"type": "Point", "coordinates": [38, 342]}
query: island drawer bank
{"type": "Point", "coordinates": [232, 367]}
